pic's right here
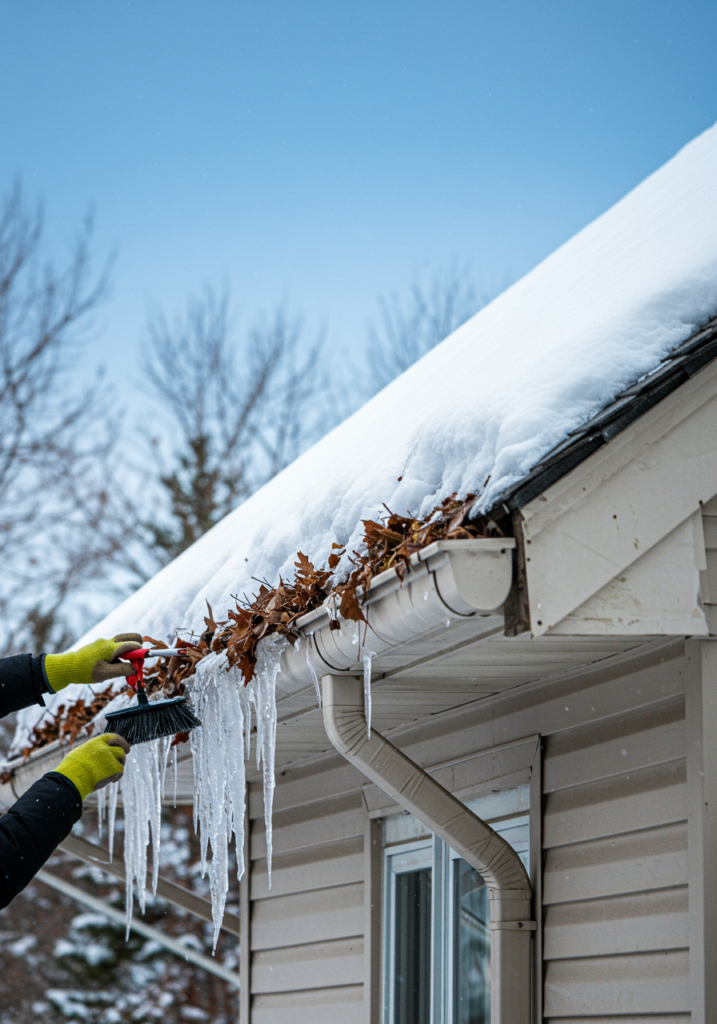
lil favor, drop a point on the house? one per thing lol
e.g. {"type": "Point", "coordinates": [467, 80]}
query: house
{"type": "Point", "coordinates": [530, 832]}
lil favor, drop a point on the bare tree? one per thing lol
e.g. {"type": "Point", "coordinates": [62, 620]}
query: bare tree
{"type": "Point", "coordinates": [238, 413]}
{"type": "Point", "coordinates": [56, 536]}
{"type": "Point", "coordinates": [409, 327]}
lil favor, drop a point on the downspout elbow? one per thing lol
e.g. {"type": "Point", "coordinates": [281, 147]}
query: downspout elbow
{"type": "Point", "coordinates": [418, 792]}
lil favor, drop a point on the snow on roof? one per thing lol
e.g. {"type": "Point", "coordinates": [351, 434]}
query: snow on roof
{"type": "Point", "coordinates": [479, 410]}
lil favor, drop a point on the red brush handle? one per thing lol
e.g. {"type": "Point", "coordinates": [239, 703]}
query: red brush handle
{"type": "Point", "coordinates": [136, 660]}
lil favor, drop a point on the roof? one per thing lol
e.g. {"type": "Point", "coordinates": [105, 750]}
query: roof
{"type": "Point", "coordinates": [681, 364]}
{"type": "Point", "coordinates": [547, 367]}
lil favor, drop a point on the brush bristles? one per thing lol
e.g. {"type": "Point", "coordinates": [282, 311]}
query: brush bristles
{"type": "Point", "coordinates": [140, 724]}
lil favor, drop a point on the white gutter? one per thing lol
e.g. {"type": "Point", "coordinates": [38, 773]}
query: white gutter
{"type": "Point", "coordinates": [476, 842]}
{"type": "Point", "coordinates": [447, 581]}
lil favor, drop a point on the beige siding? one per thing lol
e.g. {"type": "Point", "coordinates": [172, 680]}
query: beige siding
{"type": "Point", "coordinates": [307, 931]}
{"type": "Point", "coordinates": [708, 577]}
{"type": "Point", "coordinates": [317, 1006]}
{"type": "Point", "coordinates": [615, 895]}
{"type": "Point", "coordinates": [653, 1018]}
{"type": "Point", "coordinates": [609, 985]}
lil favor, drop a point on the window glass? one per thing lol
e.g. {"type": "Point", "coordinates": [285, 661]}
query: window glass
{"type": "Point", "coordinates": [412, 951]}
{"type": "Point", "coordinates": [471, 946]}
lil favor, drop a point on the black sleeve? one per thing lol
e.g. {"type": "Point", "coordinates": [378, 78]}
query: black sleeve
{"type": "Point", "coordinates": [22, 682]}
{"type": "Point", "coordinates": [33, 828]}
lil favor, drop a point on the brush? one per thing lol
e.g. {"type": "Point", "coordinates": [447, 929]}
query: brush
{"type": "Point", "coordinates": [147, 720]}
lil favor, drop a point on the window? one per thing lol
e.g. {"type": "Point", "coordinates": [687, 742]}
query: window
{"type": "Point", "coordinates": [437, 934]}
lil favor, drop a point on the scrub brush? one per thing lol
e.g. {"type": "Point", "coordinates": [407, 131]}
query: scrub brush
{"type": "Point", "coordinates": [147, 720]}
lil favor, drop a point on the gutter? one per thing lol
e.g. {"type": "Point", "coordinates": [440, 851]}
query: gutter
{"type": "Point", "coordinates": [446, 582]}
{"type": "Point", "coordinates": [509, 888]}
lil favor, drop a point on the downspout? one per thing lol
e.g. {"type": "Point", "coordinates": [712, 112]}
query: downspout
{"type": "Point", "coordinates": [476, 842]}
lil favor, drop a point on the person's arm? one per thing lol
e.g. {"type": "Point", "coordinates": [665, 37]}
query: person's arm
{"type": "Point", "coordinates": [22, 683]}
{"type": "Point", "coordinates": [38, 822]}
{"type": "Point", "coordinates": [32, 829]}
{"type": "Point", "coordinates": [24, 679]}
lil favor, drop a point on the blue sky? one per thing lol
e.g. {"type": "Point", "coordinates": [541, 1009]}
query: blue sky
{"type": "Point", "coordinates": [325, 152]}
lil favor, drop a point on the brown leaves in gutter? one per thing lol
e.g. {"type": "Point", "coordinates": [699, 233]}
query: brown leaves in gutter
{"type": "Point", "coordinates": [387, 544]}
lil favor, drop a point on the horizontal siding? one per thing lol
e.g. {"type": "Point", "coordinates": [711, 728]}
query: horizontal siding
{"type": "Point", "coordinates": [330, 822]}
{"type": "Point", "coordinates": [615, 844]}
{"type": "Point", "coordinates": [624, 924]}
{"type": "Point", "coordinates": [319, 867]}
{"type": "Point", "coordinates": [653, 1018]}
{"type": "Point", "coordinates": [312, 966]}
{"type": "Point", "coordinates": [637, 861]}
{"type": "Point", "coordinates": [638, 739]}
{"type": "Point", "coordinates": [641, 983]}
{"type": "Point", "coordinates": [307, 917]}
{"type": "Point", "coordinates": [318, 1006]}
{"type": "Point", "coordinates": [298, 786]}
{"type": "Point", "coordinates": [638, 800]}
{"type": "Point", "coordinates": [615, 897]}
{"type": "Point", "coordinates": [307, 931]}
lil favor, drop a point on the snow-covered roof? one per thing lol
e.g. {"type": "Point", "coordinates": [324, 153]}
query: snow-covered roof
{"type": "Point", "coordinates": [478, 411]}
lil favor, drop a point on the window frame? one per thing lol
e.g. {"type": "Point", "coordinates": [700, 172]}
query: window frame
{"type": "Point", "coordinates": [428, 851]}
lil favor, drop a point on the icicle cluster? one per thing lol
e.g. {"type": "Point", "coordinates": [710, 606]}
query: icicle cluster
{"type": "Point", "coordinates": [220, 749]}
{"type": "Point", "coordinates": [142, 791]}
{"type": "Point", "coordinates": [269, 652]}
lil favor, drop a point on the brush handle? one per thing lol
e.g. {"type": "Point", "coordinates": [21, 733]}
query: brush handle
{"type": "Point", "coordinates": [160, 652]}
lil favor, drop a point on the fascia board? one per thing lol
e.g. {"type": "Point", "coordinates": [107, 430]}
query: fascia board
{"type": "Point", "coordinates": [610, 510]}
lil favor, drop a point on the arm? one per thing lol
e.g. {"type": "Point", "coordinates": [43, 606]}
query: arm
{"type": "Point", "coordinates": [33, 828]}
{"type": "Point", "coordinates": [38, 822]}
{"type": "Point", "coordinates": [24, 679]}
{"type": "Point", "coordinates": [22, 683]}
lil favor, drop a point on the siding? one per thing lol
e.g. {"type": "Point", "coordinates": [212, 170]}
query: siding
{"type": "Point", "coordinates": [307, 931]}
{"type": "Point", "coordinates": [614, 834]}
{"type": "Point", "coordinates": [615, 897]}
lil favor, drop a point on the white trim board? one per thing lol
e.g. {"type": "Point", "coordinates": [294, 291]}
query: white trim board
{"type": "Point", "coordinates": [593, 524]}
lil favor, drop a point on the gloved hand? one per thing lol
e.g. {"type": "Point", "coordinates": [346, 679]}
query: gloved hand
{"type": "Point", "coordinates": [95, 663]}
{"type": "Point", "coordinates": [96, 763]}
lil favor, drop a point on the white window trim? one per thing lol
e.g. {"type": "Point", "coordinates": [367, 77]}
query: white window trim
{"type": "Point", "coordinates": [430, 852]}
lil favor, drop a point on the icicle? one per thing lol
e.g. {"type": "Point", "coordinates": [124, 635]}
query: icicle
{"type": "Point", "coordinates": [218, 752]}
{"type": "Point", "coordinates": [101, 801]}
{"type": "Point", "coordinates": [269, 652]}
{"type": "Point", "coordinates": [174, 796]}
{"type": "Point", "coordinates": [312, 670]}
{"type": "Point", "coordinates": [165, 745]}
{"type": "Point", "coordinates": [114, 793]}
{"type": "Point", "coordinates": [142, 798]}
{"type": "Point", "coordinates": [368, 657]}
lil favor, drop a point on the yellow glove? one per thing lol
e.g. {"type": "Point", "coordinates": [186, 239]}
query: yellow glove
{"type": "Point", "coordinates": [95, 663]}
{"type": "Point", "coordinates": [96, 763]}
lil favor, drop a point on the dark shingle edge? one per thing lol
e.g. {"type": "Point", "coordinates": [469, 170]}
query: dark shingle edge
{"type": "Point", "coordinates": [681, 364]}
